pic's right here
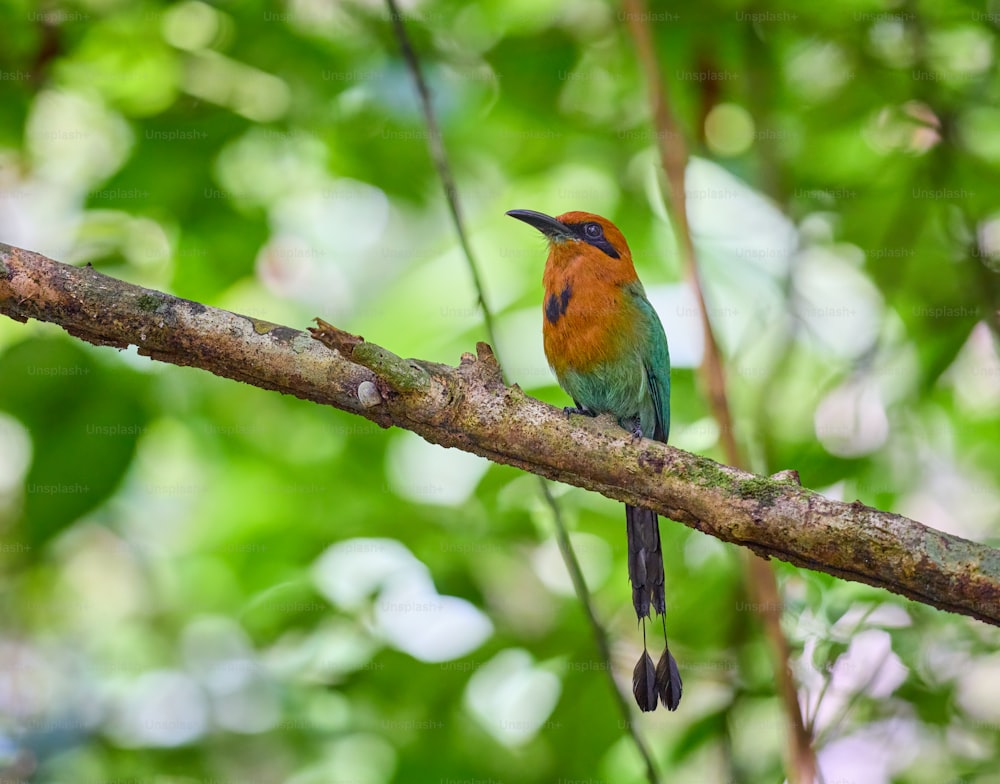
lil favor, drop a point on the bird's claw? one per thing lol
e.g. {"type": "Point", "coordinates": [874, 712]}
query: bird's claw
{"type": "Point", "coordinates": [570, 410]}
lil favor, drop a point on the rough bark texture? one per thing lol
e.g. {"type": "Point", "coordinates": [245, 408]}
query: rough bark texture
{"type": "Point", "coordinates": [469, 407]}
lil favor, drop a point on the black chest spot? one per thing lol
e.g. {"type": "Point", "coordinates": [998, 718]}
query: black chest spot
{"type": "Point", "coordinates": [555, 306]}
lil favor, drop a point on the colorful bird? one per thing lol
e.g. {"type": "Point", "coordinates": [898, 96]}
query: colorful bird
{"type": "Point", "coordinates": [608, 350]}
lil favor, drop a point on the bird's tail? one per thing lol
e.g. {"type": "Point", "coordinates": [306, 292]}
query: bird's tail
{"type": "Point", "coordinates": [645, 560]}
{"type": "Point", "coordinates": [645, 571]}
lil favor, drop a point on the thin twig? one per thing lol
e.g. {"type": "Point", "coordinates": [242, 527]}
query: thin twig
{"type": "Point", "coordinates": [760, 575]}
{"type": "Point", "coordinates": [440, 157]}
{"type": "Point", "coordinates": [811, 719]}
{"type": "Point", "coordinates": [600, 635]}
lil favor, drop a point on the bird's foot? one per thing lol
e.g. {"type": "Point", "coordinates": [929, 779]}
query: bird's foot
{"type": "Point", "coordinates": [634, 426]}
{"type": "Point", "coordinates": [570, 410]}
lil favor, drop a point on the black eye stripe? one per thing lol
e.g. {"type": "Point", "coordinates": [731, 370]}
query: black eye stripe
{"type": "Point", "coordinates": [586, 232]}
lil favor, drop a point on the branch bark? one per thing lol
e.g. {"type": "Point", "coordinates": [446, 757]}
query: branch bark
{"type": "Point", "coordinates": [470, 408]}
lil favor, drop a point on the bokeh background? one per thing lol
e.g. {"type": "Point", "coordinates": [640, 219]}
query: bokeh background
{"type": "Point", "coordinates": [204, 582]}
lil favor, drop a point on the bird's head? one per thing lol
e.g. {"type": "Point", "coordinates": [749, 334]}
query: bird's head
{"type": "Point", "coordinates": [575, 234]}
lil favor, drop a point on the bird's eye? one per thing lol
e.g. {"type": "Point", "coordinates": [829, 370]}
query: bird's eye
{"type": "Point", "coordinates": [593, 230]}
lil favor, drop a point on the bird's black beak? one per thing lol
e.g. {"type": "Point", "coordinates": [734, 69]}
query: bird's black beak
{"type": "Point", "coordinates": [546, 224]}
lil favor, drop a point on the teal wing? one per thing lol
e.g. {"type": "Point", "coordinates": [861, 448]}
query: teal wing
{"type": "Point", "coordinates": [656, 362]}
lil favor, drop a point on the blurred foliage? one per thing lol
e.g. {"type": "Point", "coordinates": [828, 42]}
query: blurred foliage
{"type": "Point", "coordinates": [203, 581]}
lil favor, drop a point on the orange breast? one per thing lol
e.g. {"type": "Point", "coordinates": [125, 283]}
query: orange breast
{"type": "Point", "coordinates": [585, 319]}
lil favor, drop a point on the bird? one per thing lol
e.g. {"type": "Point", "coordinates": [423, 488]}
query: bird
{"type": "Point", "coordinates": [606, 345]}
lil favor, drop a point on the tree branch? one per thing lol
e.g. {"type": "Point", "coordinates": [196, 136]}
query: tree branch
{"type": "Point", "coordinates": [469, 407]}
